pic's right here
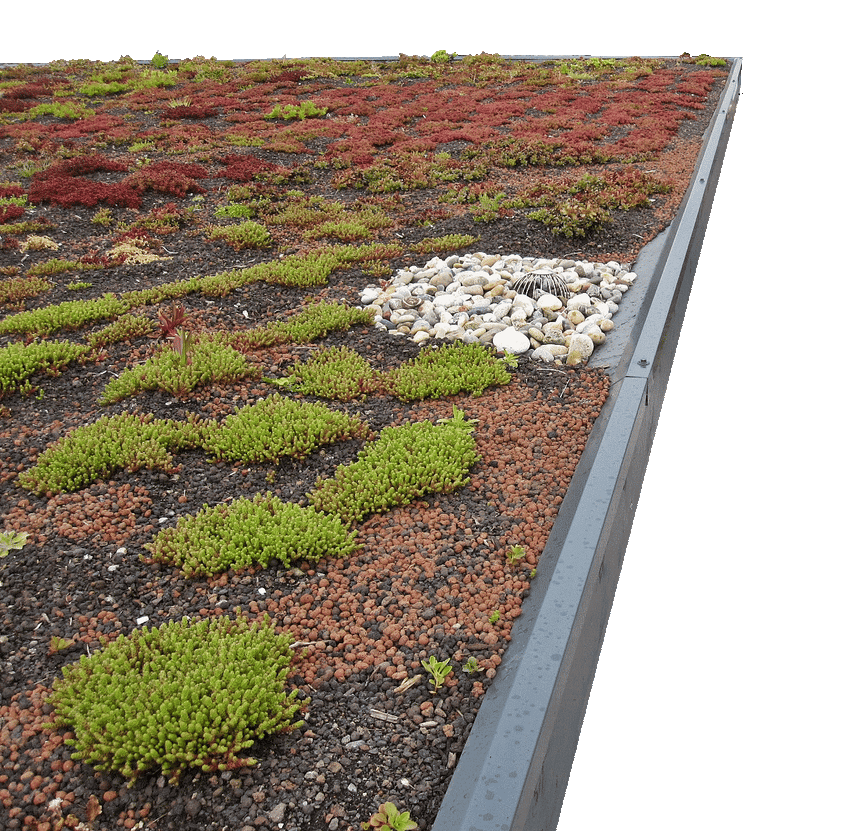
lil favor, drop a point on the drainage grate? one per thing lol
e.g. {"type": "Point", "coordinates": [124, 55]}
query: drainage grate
{"type": "Point", "coordinates": [542, 281]}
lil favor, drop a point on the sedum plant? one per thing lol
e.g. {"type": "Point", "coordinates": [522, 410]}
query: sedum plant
{"type": "Point", "coordinates": [19, 362]}
{"type": "Point", "coordinates": [275, 427]}
{"type": "Point", "coordinates": [95, 451]}
{"type": "Point", "coordinates": [212, 362]}
{"type": "Point", "coordinates": [449, 370]}
{"type": "Point", "coordinates": [187, 694]}
{"type": "Point", "coordinates": [248, 234]}
{"type": "Point", "coordinates": [17, 289]}
{"type": "Point", "coordinates": [317, 320]}
{"type": "Point", "coordinates": [247, 531]}
{"type": "Point", "coordinates": [335, 372]}
{"type": "Point", "coordinates": [73, 314]}
{"type": "Point", "coordinates": [404, 463]}
{"type": "Point", "coordinates": [126, 328]}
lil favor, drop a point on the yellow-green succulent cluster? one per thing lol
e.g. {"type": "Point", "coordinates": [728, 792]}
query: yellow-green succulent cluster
{"type": "Point", "coordinates": [404, 463]}
{"type": "Point", "coordinates": [212, 362]}
{"type": "Point", "coordinates": [275, 427]}
{"type": "Point", "coordinates": [96, 451]}
{"type": "Point", "coordinates": [187, 694]}
{"type": "Point", "coordinates": [235, 535]}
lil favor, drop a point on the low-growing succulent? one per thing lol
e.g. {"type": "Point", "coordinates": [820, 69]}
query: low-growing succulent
{"type": "Point", "coordinates": [335, 372]}
{"type": "Point", "coordinates": [247, 531]}
{"type": "Point", "coordinates": [213, 362]}
{"type": "Point", "coordinates": [306, 109]}
{"type": "Point", "coordinates": [72, 314]}
{"type": "Point", "coordinates": [95, 451]}
{"type": "Point", "coordinates": [276, 427]}
{"type": "Point", "coordinates": [248, 234]}
{"type": "Point", "coordinates": [448, 370]}
{"type": "Point", "coordinates": [404, 463]}
{"type": "Point", "coordinates": [187, 694]}
{"type": "Point", "coordinates": [126, 328]}
{"type": "Point", "coordinates": [389, 818]}
{"type": "Point", "coordinates": [19, 362]}
{"type": "Point", "coordinates": [17, 289]}
{"type": "Point", "coordinates": [315, 321]}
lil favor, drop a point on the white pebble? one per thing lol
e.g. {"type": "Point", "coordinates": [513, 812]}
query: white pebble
{"type": "Point", "coordinates": [549, 303]}
{"type": "Point", "coordinates": [511, 340]}
{"type": "Point", "coordinates": [581, 348]}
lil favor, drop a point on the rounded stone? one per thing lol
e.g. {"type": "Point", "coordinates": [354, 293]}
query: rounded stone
{"type": "Point", "coordinates": [511, 340]}
{"type": "Point", "coordinates": [581, 348]}
{"type": "Point", "coordinates": [548, 302]}
{"type": "Point", "coordinates": [595, 334]}
{"type": "Point", "coordinates": [369, 295]}
{"type": "Point", "coordinates": [543, 353]}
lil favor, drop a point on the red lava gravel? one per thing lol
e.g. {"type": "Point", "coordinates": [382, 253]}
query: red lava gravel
{"type": "Point", "coordinates": [430, 576]}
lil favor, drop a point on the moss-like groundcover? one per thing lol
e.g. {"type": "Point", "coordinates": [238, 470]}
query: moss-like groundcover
{"type": "Point", "coordinates": [186, 694]}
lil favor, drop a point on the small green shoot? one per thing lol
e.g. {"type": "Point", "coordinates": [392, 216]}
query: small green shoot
{"type": "Point", "coordinates": [57, 644]}
{"type": "Point", "coordinates": [472, 665]}
{"type": "Point", "coordinates": [494, 618]}
{"type": "Point", "coordinates": [10, 540]}
{"type": "Point", "coordinates": [516, 553]}
{"type": "Point", "coordinates": [438, 670]}
{"type": "Point", "coordinates": [389, 818]}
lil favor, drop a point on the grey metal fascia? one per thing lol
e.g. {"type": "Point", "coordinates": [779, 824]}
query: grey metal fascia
{"type": "Point", "coordinates": [514, 769]}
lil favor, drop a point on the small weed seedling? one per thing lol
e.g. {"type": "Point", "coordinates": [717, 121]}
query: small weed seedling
{"type": "Point", "coordinates": [389, 818]}
{"type": "Point", "coordinates": [10, 540]}
{"type": "Point", "coordinates": [472, 665]}
{"type": "Point", "coordinates": [516, 553]}
{"type": "Point", "coordinates": [494, 618]}
{"type": "Point", "coordinates": [57, 644]}
{"type": "Point", "coordinates": [438, 670]}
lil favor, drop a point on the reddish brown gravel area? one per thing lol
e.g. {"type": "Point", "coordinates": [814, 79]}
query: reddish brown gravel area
{"type": "Point", "coordinates": [432, 578]}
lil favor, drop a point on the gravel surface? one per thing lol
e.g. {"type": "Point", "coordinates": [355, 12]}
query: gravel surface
{"type": "Point", "coordinates": [427, 581]}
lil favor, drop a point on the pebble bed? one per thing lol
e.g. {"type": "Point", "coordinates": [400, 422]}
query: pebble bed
{"type": "Point", "coordinates": [558, 309]}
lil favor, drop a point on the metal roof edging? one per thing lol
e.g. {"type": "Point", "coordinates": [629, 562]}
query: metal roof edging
{"type": "Point", "coordinates": [513, 772]}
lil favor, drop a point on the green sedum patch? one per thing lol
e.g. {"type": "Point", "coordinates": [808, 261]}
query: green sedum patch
{"type": "Point", "coordinates": [276, 427]}
{"type": "Point", "coordinates": [248, 531]}
{"type": "Point", "coordinates": [404, 463]}
{"type": "Point", "coordinates": [315, 321]}
{"type": "Point", "coordinates": [186, 694]}
{"type": "Point", "coordinates": [73, 314]}
{"type": "Point", "coordinates": [19, 362]}
{"type": "Point", "coordinates": [336, 372]}
{"type": "Point", "coordinates": [96, 451]}
{"type": "Point", "coordinates": [211, 362]}
{"type": "Point", "coordinates": [449, 370]}
{"type": "Point", "coordinates": [248, 234]}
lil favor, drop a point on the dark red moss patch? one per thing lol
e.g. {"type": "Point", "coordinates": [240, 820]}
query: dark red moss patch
{"type": "Point", "coordinates": [188, 111]}
{"type": "Point", "coordinates": [171, 178]}
{"type": "Point", "coordinates": [66, 184]}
